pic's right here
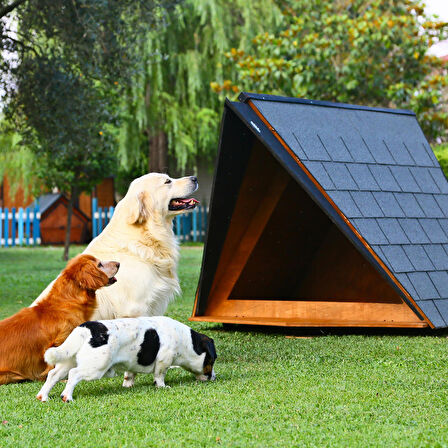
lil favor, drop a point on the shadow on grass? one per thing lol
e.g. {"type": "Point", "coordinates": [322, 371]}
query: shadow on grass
{"type": "Point", "coordinates": [328, 331]}
{"type": "Point", "coordinates": [146, 385]}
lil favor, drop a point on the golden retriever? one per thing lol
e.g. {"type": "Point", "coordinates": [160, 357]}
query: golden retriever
{"type": "Point", "coordinates": [140, 236]}
{"type": "Point", "coordinates": [26, 335]}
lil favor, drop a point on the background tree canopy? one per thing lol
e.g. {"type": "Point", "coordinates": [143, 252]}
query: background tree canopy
{"type": "Point", "coordinates": [363, 51]}
{"type": "Point", "coordinates": [64, 64]}
{"type": "Point", "coordinates": [170, 108]}
{"type": "Point", "coordinates": [101, 87]}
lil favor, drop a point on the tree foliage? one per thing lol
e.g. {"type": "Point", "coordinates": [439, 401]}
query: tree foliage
{"type": "Point", "coordinates": [18, 162]}
{"type": "Point", "coordinates": [64, 64]}
{"type": "Point", "coordinates": [441, 152]}
{"type": "Point", "coordinates": [172, 94]}
{"type": "Point", "coordinates": [371, 52]}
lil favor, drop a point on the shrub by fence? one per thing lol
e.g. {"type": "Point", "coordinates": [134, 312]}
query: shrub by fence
{"type": "Point", "coordinates": [187, 227]}
{"type": "Point", "coordinates": [19, 227]}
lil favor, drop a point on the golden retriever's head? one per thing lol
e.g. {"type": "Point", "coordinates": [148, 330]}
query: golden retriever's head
{"type": "Point", "coordinates": [159, 195]}
{"type": "Point", "coordinates": [90, 273]}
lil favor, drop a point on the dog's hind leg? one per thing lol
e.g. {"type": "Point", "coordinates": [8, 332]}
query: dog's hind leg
{"type": "Point", "coordinates": [55, 375]}
{"type": "Point", "coordinates": [7, 377]}
{"type": "Point", "coordinates": [78, 374]}
{"type": "Point", "coordinates": [129, 378]}
{"type": "Point", "coordinates": [110, 373]}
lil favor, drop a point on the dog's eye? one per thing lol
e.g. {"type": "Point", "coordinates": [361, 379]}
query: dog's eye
{"type": "Point", "coordinates": [168, 181]}
{"type": "Point", "coordinates": [100, 265]}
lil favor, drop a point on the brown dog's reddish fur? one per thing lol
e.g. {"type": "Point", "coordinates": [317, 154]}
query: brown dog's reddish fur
{"type": "Point", "coordinates": [25, 336]}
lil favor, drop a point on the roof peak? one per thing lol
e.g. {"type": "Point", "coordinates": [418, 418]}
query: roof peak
{"type": "Point", "coordinates": [244, 97]}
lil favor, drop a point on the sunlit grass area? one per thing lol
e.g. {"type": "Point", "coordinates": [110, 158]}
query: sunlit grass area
{"type": "Point", "coordinates": [273, 390]}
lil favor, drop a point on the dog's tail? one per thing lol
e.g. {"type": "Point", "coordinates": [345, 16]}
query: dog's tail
{"type": "Point", "coordinates": [69, 348]}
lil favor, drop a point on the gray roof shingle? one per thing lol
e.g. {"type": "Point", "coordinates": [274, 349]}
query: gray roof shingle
{"type": "Point", "coordinates": [320, 174]}
{"type": "Point", "coordinates": [405, 179]}
{"type": "Point", "coordinates": [384, 178]}
{"type": "Point", "coordinates": [388, 204]}
{"type": "Point", "coordinates": [393, 231]}
{"type": "Point", "coordinates": [429, 308]}
{"type": "Point", "coordinates": [370, 230]}
{"type": "Point", "coordinates": [437, 255]}
{"type": "Point", "coordinates": [340, 176]}
{"type": "Point", "coordinates": [345, 203]}
{"type": "Point", "coordinates": [409, 205]}
{"type": "Point", "coordinates": [363, 177]}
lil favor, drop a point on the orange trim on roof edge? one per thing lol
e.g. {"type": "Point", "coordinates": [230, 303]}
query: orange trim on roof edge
{"type": "Point", "coordinates": [336, 208]}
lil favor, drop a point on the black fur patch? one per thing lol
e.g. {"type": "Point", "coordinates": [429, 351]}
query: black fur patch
{"type": "Point", "coordinates": [100, 335]}
{"type": "Point", "coordinates": [149, 348]}
{"type": "Point", "coordinates": [197, 342]}
{"type": "Point", "coordinates": [201, 344]}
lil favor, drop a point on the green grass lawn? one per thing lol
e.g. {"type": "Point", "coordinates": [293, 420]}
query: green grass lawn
{"type": "Point", "coordinates": [340, 389]}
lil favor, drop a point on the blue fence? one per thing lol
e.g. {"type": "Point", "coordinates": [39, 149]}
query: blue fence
{"type": "Point", "coordinates": [19, 227]}
{"type": "Point", "coordinates": [187, 227]}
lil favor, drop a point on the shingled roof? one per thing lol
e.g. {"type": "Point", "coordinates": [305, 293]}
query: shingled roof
{"type": "Point", "coordinates": [374, 169]}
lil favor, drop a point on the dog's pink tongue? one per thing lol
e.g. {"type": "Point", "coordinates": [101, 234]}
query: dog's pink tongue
{"type": "Point", "coordinates": [191, 201]}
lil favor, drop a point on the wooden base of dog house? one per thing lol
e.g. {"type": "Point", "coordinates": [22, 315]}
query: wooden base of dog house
{"type": "Point", "coordinates": [285, 263]}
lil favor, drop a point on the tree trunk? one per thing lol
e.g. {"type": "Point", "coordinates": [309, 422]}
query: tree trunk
{"type": "Point", "coordinates": [68, 228]}
{"type": "Point", "coordinates": [158, 153]}
{"type": "Point", "coordinates": [157, 143]}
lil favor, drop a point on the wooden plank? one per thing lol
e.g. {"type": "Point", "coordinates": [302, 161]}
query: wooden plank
{"type": "Point", "coordinates": [311, 313]}
{"type": "Point", "coordinates": [20, 226]}
{"type": "Point", "coordinates": [94, 218]}
{"type": "Point", "coordinates": [13, 226]}
{"type": "Point", "coordinates": [28, 226]}
{"type": "Point", "coordinates": [36, 225]}
{"type": "Point", "coordinates": [295, 323]}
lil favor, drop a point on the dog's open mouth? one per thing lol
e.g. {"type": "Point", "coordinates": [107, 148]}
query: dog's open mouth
{"type": "Point", "coordinates": [182, 204]}
{"type": "Point", "coordinates": [112, 280]}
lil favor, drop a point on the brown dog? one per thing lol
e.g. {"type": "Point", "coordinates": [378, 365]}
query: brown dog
{"type": "Point", "coordinates": [25, 336]}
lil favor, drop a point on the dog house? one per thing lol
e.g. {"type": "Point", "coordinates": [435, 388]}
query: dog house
{"type": "Point", "coordinates": [53, 222]}
{"type": "Point", "coordinates": [324, 214]}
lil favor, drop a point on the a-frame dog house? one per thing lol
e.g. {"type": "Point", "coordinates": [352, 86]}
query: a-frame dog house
{"type": "Point", "coordinates": [324, 214]}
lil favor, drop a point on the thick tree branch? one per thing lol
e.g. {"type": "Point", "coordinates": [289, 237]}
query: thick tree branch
{"type": "Point", "coordinates": [7, 9]}
{"type": "Point", "coordinates": [21, 44]}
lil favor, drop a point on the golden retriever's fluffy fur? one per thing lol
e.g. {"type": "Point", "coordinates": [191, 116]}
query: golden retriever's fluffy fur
{"type": "Point", "coordinates": [26, 335]}
{"type": "Point", "coordinates": [140, 236]}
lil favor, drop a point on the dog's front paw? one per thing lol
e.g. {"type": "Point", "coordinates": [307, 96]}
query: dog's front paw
{"type": "Point", "coordinates": [66, 398]}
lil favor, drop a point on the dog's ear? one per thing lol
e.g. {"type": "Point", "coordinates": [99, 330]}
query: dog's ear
{"type": "Point", "coordinates": [84, 271]}
{"type": "Point", "coordinates": [210, 349]}
{"type": "Point", "coordinates": [137, 212]}
{"type": "Point", "coordinates": [92, 278]}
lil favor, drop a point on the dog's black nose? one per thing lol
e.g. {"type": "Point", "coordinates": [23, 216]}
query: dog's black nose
{"type": "Point", "coordinates": [194, 179]}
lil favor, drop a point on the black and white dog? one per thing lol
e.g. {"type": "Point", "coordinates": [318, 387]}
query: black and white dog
{"type": "Point", "coordinates": [136, 345]}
